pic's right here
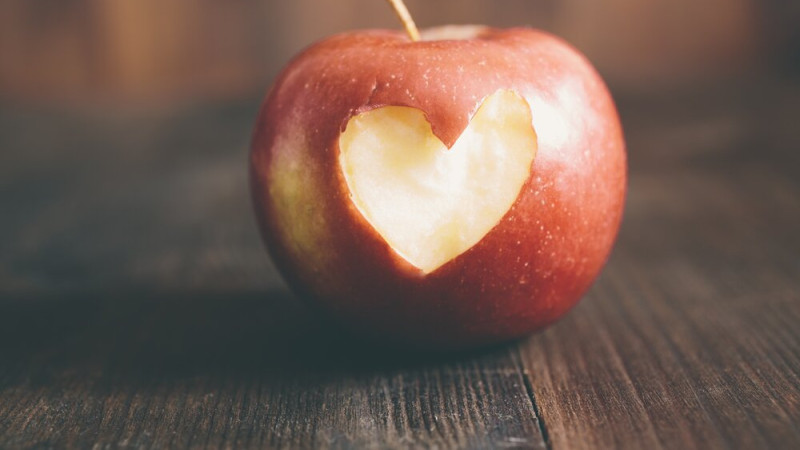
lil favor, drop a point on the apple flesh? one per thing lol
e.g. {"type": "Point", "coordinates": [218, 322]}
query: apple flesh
{"type": "Point", "coordinates": [428, 202]}
{"type": "Point", "coordinates": [449, 193]}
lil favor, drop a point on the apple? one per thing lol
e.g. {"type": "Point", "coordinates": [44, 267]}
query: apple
{"type": "Point", "coordinates": [444, 193]}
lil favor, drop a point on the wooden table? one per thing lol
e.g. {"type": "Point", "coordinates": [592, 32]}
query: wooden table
{"type": "Point", "coordinates": [138, 308]}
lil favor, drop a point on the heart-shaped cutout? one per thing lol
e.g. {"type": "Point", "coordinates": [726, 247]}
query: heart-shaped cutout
{"type": "Point", "coordinates": [428, 202]}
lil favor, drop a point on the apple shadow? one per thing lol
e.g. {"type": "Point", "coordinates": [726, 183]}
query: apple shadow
{"type": "Point", "coordinates": [140, 336]}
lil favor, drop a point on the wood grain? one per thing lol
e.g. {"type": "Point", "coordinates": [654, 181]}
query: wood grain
{"type": "Point", "coordinates": [689, 340]}
{"type": "Point", "coordinates": [238, 370]}
{"type": "Point", "coordinates": [138, 309]}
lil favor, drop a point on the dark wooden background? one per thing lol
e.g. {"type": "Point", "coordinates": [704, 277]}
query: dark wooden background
{"type": "Point", "coordinates": [138, 308]}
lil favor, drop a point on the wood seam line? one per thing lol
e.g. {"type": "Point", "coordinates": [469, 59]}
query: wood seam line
{"type": "Point", "coordinates": [532, 398]}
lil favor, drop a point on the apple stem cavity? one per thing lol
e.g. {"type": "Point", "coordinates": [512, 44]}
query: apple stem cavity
{"type": "Point", "coordinates": [405, 17]}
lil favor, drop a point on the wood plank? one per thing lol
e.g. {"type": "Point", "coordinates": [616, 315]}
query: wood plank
{"type": "Point", "coordinates": [690, 338]}
{"type": "Point", "coordinates": [242, 370]}
{"type": "Point", "coordinates": [138, 308]}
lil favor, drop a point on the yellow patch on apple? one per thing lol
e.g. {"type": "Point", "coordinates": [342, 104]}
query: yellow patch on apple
{"type": "Point", "coordinates": [428, 202]}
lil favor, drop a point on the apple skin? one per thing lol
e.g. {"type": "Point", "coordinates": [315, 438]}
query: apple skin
{"type": "Point", "coordinates": [527, 272]}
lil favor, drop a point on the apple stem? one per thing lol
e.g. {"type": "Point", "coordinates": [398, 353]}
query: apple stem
{"type": "Point", "coordinates": [404, 16]}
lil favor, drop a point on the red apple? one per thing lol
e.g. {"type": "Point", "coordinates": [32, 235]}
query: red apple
{"type": "Point", "coordinates": [452, 192]}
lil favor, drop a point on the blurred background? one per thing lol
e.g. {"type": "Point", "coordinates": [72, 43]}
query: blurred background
{"type": "Point", "coordinates": [124, 124]}
{"type": "Point", "coordinates": [149, 51]}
